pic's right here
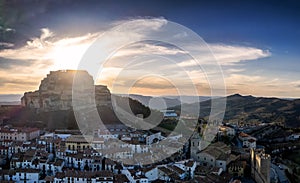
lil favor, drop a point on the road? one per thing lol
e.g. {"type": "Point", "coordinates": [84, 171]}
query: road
{"type": "Point", "coordinates": [238, 142]}
{"type": "Point", "coordinates": [280, 173]}
{"type": "Point", "coordinates": [273, 175]}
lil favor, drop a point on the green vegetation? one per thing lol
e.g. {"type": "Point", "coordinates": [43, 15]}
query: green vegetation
{"type": "Point", "coordinates": [168, 126]}
{"type": "Point", "coordinates": [293, 156]}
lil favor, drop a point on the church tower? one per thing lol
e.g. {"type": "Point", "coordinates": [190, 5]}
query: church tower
{"type": "Point", "coordinates": [195, 143]}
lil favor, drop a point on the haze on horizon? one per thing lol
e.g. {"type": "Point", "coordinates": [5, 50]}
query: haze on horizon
{"type": "Point", "coordinates": [256, 44]}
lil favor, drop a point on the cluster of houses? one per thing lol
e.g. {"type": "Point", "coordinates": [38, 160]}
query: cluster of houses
{"type": "Point", "coordinates": [55, 158]}
{"type": "Point", "coordinates": [70, 157]}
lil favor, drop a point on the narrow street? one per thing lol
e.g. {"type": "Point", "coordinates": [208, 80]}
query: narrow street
{"type": "Point", "coordinates": [280, 174]}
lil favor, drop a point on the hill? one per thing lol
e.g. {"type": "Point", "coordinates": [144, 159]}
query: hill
{"type": "Point", "coordinates": [51, 106]}
{"type": "Point", "coordinates": [170, 101]}
{"type": "Point", "coordinates": [63, 119]}
{"type": "Point", "coordinates": [251, 110]}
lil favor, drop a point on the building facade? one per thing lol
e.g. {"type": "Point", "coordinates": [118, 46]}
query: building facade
{"type": "Point", "coordinates": [18, 134]}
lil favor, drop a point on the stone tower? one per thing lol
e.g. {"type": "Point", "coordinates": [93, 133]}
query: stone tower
{"type": "Point", "coordinates": [260, 166]}
{"type": "Point", "coordinates": [195, 145]}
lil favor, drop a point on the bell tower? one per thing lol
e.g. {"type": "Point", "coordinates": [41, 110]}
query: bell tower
{"type": "Point", "coordinates": [195, 143]}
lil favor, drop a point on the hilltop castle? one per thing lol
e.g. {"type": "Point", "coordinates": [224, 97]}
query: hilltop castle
{"type": "Point", "coordinates": [55, 91]}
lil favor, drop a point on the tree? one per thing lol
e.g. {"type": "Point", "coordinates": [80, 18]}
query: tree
{"type": "Point", "coordinates": [43, 172]}
{"type": "Point", "coordinates": [7, 163]}
{"type": "Point", "coordinates": [79, 165]}
{"type": "Point", "coordinates": [72, 163]}
{"type": "Point", "coordinates": [189, 174]}
{"type": "Point", "coordinates": [86, 166]}
{"type": "Point", "coordinates": [103, 163]}
{"type": "Point", "coordinates": [98, 167]}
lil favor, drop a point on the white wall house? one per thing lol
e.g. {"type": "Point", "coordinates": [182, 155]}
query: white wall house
{"type": "Point", "coordinates": [189, 166]}
{"type": "Point", "coordinates": [19, 134]}
{"type": "Point", "coordinates": [24, 175]}
{"type": "Point", "coordinates": [151, 174]}
{"type": "Point", "coordinates": [247, 140]}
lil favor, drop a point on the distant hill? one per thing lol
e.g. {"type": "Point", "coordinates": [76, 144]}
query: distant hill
{"type": "Point", "coordinates": [10, 97]}
{"type": "Point", "coordinates": [11, 103]}
{"type": "Point", "coordinates": [245, 109]}
{"type": "Point", "coordinates": [249, 109]}
{"type": "Point", "coordinates": [170, 101]}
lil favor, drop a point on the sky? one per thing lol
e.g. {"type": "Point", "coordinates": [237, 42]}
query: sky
{"type": "Point", "coordinates": [255, 43]}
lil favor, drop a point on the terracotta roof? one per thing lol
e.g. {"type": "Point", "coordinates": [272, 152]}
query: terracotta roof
{"type": "Point", "coordinates": [176, 169]}
{"type": "Point", "coordinates": [166, 170]}
{"type": "Point", "coordinates": [49, 178]}
{"type": "Point", "coordinates": [242, 134]}
{"type": "Point", "coordinates": [81, 174]}
{"type": "Point", "coordinates": [190, 163]}
{"type": "Point", "coordinates": [27, 170]}
{"type": "Point", "coordinates": [60, 175]}
{"type": "Point", "coordinates": [58, 162]}
{"type": "Point", "coordinates": [18, 130]}
{"type": "Point", "coordinates": [251, 140]}
{"type": "Point", "coordinates": [147, 169]}
{"type": "Point", "coordinates": [121, 178]}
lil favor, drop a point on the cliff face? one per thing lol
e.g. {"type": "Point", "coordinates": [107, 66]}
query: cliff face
{"type": "Point", "coordinates": [55, 91]}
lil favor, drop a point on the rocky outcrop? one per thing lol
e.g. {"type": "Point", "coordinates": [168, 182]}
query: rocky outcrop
{"type": "Point", "coordinates": [55, 91]}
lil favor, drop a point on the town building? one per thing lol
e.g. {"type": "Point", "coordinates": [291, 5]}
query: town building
{"type": "Point", "coordinates": [18, 134]}
{"type": "Point", "coordinates": [237, 168]}
{"type": "Point", "coordinates": [247, 140]}
{"type": "Point", "coordinates": [78, 142]}
{"type": "Point", "coordinates": [169, 114]}
{"type": "Point", "coordinates": [215, 155]}
{"type": "Point", "coordinates": [226, 131]}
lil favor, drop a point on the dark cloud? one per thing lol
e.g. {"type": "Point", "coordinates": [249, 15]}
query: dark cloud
{"type": "Point", "coordinates": [18, 20]}
{"type": "Point", "coordinates": [6, 63]}
{"type": "Point", "coordinates": [22, 20]}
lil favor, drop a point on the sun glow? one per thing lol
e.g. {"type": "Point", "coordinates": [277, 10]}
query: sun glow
{"type": "Point", "coordinates": [67, 56]}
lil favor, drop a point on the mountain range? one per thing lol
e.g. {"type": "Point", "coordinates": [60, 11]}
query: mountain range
{"type": "Point", "coordinates": [254, 110]}
{"type": "Point", "coordinates": [239, 109]}
{"type": "Point", "coordinates": [154, 102]}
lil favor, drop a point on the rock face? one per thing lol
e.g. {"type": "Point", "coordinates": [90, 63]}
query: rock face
{"type": "Point", "coordinates": [55, 91]}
